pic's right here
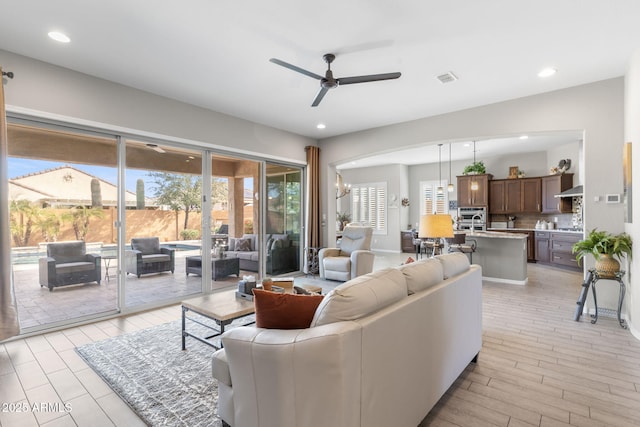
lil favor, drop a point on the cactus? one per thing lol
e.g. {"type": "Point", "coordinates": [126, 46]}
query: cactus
{"type": "Point", "coordinates": [96, 194]}
{"type": "Point", "coordinates": [140, 194]}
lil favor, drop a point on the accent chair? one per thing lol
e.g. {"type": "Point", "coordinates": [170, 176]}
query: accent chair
{"type": "Point", "coordinates": [352, 257]}
{"type": "Point", "coordinates": [146, 256]}
{"type": "Point", "coordinates": [67, 263]}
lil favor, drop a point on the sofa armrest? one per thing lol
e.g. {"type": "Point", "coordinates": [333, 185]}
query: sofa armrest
{"type": "Point", "coordinates": [47, 271]}
{"type": "Point", "coordinates": [93, 258]}
{"type": "Point", "coordinates": [133, 260]}
{"type": "Point", "coordinates": [172, 254]}
{"type": "Point", "coordinates": [361, 262]}
{"type": "Point", "coordinates": [275, 375]}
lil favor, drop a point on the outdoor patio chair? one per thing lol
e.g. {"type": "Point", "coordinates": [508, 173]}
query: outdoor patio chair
{"type": "Point", "coordinates": [146, 256]}
{"type": "Point", "coordinates": [67, 263]}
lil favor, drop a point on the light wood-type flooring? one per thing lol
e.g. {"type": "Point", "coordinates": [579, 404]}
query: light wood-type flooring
{"type": "Point", "coordinates": [537, 367]}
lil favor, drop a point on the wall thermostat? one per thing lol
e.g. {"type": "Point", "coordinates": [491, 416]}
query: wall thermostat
{"type": "Point", "coordinates": [613, 198]}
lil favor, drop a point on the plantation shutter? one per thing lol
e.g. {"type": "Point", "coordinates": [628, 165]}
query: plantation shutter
{"type": "Point", "coordinates": [432, 202]}
{"type": "Point", "coordinates": [369, 206]}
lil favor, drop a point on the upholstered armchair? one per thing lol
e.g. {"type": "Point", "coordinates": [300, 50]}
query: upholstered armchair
{"type": "Point", "coordinates": [146, 256]}
{"type": "Point", "coordinates": [351, 259]}
{"type": "Point", "coordinates": [67, 263]}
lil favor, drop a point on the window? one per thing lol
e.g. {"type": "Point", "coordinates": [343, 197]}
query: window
{"type": "Point", "coordinates": [430, 201]}
{"type": "Point", "coordinates": [369, 205]}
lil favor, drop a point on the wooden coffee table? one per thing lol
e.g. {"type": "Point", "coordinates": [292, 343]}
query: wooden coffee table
{"type": "Point", "coordinates": [221, 307]}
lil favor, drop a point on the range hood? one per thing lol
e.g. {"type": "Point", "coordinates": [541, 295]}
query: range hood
{"type": "Point", "coordinates": [572, 192]}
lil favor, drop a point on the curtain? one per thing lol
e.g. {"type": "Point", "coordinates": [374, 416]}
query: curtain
{"type": "Point", "coordinates": [314, 226]}
{"type": "Point", "coordinates": [8, 310]}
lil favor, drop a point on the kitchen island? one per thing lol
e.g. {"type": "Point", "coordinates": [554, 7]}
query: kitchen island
{"type": "Point", "coordinates": [503, 256]}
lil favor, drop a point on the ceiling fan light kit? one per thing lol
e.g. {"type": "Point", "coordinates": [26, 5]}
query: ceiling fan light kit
{"type": "Point", "coordinates": [328, 81]}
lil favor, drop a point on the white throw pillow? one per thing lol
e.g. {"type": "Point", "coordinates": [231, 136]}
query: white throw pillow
{"type": "Point", "coordinates": [422, 274]}
{"type": "Point", "coordinates": [361, 296]}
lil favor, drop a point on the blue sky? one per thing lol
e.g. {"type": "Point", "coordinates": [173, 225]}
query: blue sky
{"type": "Point", "coordinates": [18, 167]}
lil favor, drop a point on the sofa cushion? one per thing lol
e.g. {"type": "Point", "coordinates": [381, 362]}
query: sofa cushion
{"type": "Point", "coordinates": [423, 274]}
{"type": "Point", "coordinates": [146, 245]}
{"type": "Point", "coordinates": [147, 259]}
{"type": "Point", "coordinates": [276, 310]}
{"type": "Point", "coordinates": [220, 367]}
{"type": "Point", "coordinates": [67, 251]}
{"type": "Point", "coordinates": [243, 245]}
{"type": "Point", "coordinates": [254, 242]}
{"type": "Point", "coordinates": [338, 263]}
{"type": "Point", "coordinates": [361, 296]}
{"type": "Point", "coordinates": [454, 263]}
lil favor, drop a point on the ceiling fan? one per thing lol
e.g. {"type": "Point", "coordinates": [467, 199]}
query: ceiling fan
{"type": "Point", "coordinates": [155, 147]}
{"type": "Point", "coordinates": [328, 81]}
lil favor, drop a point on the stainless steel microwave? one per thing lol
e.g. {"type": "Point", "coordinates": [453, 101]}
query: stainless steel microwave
{"type": "Point", "coordinates": [467, 214]}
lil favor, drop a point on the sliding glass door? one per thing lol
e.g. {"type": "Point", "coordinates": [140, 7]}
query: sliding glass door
{"type": "Point", "coordinates": [163, 218]}
{"type": "Point", "coordinates": [103, 223]}
{"type": "Point", "coordinates": [283, 222]}
{"type": "Point", "coordinates": [63, 200]}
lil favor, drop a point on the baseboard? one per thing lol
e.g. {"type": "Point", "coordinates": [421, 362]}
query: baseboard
{"type": "Point", "coordinates": [508, 281]}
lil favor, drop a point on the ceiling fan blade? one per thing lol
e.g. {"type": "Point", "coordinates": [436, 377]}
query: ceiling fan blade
{"type": "Point", "coordinates": [370, 78]}
{"type": "Point", "coordinates": [296, 69]}
{"type": "Point", "coordinates": [156, 148]}
{"type": "Point", "coordinates": [319, 96]}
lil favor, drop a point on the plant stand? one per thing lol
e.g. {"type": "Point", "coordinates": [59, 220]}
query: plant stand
{"type": "Point", "coordinates": [618, 277]}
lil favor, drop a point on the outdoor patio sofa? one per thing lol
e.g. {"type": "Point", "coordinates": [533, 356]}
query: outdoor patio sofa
{"type": "Point", "coordinates": [68, 263]}
{"type": "Point", "coordinates": [146, 256]}
{"type": "Point", "coordinates": [281, 252]}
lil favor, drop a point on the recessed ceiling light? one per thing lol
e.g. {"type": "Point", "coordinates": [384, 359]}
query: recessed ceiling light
{"type": "Point", "coordinates": [59, 37]}
{"type": "Point", "coordinates": [524, 136]}
{"type": "Point", "coordinates": [321, 126]}
{"type": "Point", "coordinates": [547, 72]}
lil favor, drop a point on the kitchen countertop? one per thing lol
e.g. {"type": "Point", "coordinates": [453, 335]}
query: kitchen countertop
{"type": "Point", "coordinates": [533, 229]}
{"type": "Point", "coordinates": [497, 235]}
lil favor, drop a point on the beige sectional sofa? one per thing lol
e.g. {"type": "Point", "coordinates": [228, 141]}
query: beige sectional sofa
{"type": "Point", "coordinates": [381, 351]}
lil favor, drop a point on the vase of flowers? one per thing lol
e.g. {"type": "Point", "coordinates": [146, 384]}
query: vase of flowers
{"type": "Point", "coordinates": [342, 219]}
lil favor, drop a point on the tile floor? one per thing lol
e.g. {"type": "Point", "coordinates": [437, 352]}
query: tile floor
{"type": "Point", "coordinates": [537, 367]}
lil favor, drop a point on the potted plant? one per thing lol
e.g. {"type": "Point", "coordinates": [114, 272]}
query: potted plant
{"type": "Point", "coordinates": [475, 168]}
{"type": "Point", "coordinates": [343, 219]}
{"type": "Point", "coordinates": [605, 248]}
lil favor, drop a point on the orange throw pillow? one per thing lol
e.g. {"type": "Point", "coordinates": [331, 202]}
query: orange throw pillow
{"type": "Point", "coordinates": [276, 310]}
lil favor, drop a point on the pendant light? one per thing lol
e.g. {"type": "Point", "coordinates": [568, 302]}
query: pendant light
{"type": "Point", "coordinates": [440, 189]}
{"type": "Point", "coordinates": [450, 186]}
{"type": "Point", "coordinates": [474, 182]}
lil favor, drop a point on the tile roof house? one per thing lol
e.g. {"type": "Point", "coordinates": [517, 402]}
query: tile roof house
{"type": "Point", "coordinates": [64, 186]}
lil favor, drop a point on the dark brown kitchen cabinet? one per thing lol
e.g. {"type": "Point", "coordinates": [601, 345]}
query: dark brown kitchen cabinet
{"type": "Point", "coordinates": [542, 246]}
{"type": "Point", "coordinates": [497, 196]}
{"type": "Point", "coordinates": [468, 197]}
{"type": "Point", "coordinates": [552, 185]}
{"type": "Point", "coordinates": [531, 189]}
{"type": "Point", "coordinates": [561, 249]}
{"type": "Point", "coordinates": [510, 196]}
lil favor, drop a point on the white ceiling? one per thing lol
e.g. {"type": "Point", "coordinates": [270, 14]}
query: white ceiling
{"type": "Point", "coordinates": [216, 54]}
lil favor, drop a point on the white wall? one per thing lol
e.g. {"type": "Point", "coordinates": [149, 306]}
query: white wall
{"type": "Point", "coordinates": [44, 87]}
{"type": "Point", "coordinates": [632, 134]}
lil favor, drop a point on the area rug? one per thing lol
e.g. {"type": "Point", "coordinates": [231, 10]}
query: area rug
{"type": "Point", "coordinates": [164, 385]}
